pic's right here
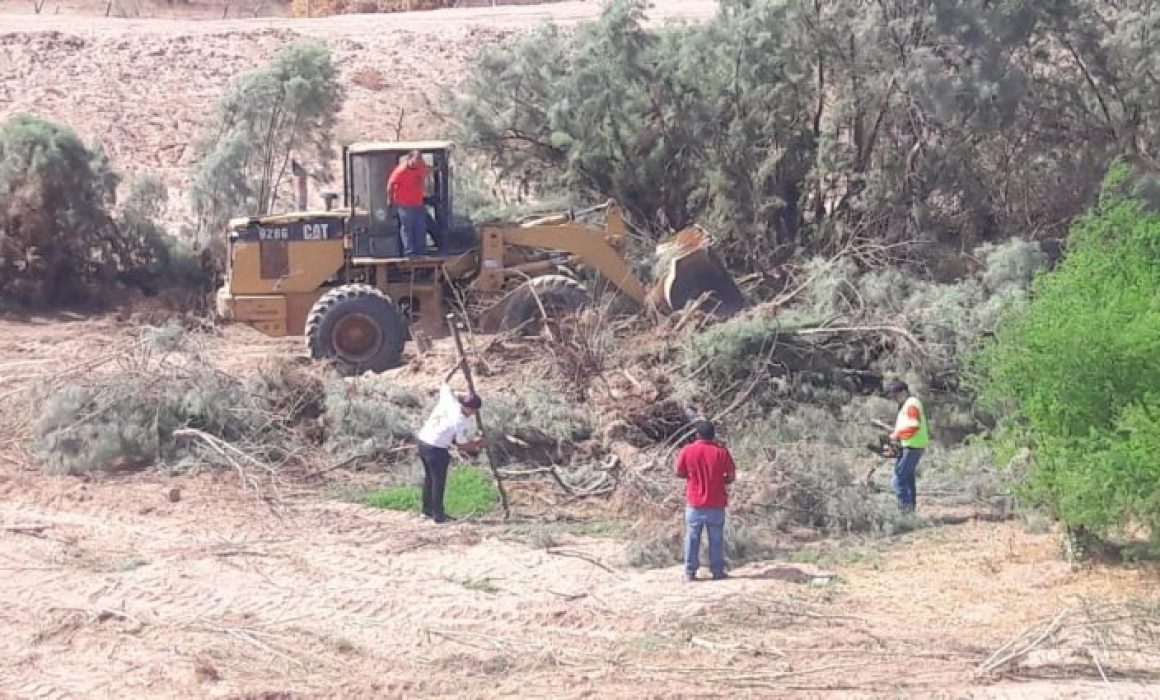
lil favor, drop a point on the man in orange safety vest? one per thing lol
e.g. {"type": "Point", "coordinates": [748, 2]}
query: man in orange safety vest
{"type": "Point", "coordinates": [912, 435]}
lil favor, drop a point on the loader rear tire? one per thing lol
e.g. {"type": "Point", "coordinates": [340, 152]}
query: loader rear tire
{"type": "Point", "coordinates": [551, 296]}
{"type": "Point", "coordinates": [358, 328]}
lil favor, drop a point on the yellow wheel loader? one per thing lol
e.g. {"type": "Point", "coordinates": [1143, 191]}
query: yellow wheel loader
{"type": "Point", "coordinates": [338, 276]}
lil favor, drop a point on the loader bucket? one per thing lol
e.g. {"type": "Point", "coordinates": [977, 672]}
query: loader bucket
{"type": "Point", "coordinates": [689, 272]}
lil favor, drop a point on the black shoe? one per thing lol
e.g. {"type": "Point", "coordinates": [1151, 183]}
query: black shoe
{"type": "Point", "coordinates": [443, 518]}
{"type": "Point", "coordinates": [720, 576]}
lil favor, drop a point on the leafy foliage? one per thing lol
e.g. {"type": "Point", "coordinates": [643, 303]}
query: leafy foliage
{"type": "Point", "coordinates": [56, 237]}
{"type": "Point", "coordinates": [791, 126]}
{"type": "Point", "coordinates": [1074, 372]}
{"type": "Point", "coordinates": [270, 115]}
{"type": "Point", "coordinates": [158, 260]}
{"type": "Point", "coordinates": [370, 418]}
{"type": "Point", "coordinates": [60, 238]}
{"type": "Point", "coordinates": [850, 332]}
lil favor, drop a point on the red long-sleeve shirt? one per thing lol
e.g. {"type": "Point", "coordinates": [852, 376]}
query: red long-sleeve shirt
{"type": "Point", "coordinates": [707, 467]}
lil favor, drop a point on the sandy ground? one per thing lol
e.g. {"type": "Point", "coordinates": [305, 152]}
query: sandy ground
{"type": "Point", "coordinates": [112, 587]}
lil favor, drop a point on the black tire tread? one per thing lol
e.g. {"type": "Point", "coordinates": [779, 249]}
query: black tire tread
{"type": "Point", "coordinates": [556, 292]}
{"type": "Point", "coordinates": [394, 339]}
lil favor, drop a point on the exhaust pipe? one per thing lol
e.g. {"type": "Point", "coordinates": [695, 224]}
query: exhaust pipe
{"type": "Point", "coordinates": [300, 175]}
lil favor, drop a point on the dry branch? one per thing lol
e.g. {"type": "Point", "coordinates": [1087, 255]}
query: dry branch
{"type": "Point", "coordinates": [228, 452]}
{"type": "Point", "coordinates": [33, 530]}
{"type": "Point", "coordinates": [582, 556]}
{"type": "Point", "coordinates": [1019, 647]}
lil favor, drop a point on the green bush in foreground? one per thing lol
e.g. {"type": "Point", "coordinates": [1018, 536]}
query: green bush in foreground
{"type": "Point", "coordinates": [1075, 372]}
{"type": "Point", "coordinates": [469, 492]}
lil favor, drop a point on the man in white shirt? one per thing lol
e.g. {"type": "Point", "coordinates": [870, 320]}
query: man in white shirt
{"type": "Point", "coordinates": [447, 424]}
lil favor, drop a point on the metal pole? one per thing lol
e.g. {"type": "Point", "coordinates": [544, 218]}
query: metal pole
{"type": "Point", "coordinates": [463, 364]}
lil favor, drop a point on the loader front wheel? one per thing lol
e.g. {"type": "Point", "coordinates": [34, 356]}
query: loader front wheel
{"type": "Point", "coordinates": [358, 328]}
{"type": "Point", "coordinates": [548, 297]}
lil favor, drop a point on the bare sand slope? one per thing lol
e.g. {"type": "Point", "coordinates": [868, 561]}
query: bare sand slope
{"type": "Point", "coordinates": [144, 88]}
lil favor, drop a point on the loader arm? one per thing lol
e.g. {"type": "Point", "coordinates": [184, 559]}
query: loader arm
{"type": "Point", "coordinates": [591, 246]}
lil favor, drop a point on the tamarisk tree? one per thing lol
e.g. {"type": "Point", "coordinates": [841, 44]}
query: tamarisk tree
{"type": "Point", "coordinates": [56, 236]}
{"type": "Point", "coordinates": [812, 126]}
{"type": "Point", "coordinates": [282, 110]}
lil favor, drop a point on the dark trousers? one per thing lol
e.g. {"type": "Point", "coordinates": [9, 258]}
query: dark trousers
{"type": "Point", "coordinates": [414, 230]}
{"type": "Point", "coordinates": [905, 469]}
{"type": "Point", "coordinates": [435, 462]}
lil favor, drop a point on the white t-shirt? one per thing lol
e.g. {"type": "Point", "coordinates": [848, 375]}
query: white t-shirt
{"type": "Point", "coordinates": [446, 423]}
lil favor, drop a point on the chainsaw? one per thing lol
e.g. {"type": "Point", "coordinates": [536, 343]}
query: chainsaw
{"type": "Point", "coordinates": [885, 447]}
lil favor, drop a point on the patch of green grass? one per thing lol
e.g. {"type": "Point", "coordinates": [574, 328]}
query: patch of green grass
{"type": "Point", "coordinates": [397, 498]}
{"type": "Point", "coordinates": [469, 492]}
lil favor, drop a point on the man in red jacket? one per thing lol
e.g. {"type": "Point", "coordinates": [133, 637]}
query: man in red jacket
{"type": "Point", "coordinates": [707, 468]}
{"type": "Point", "coordinates": [406, 189]}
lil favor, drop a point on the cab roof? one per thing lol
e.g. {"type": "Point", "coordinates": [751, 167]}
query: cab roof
{"type": "Point", "coordinates": [375, 146]}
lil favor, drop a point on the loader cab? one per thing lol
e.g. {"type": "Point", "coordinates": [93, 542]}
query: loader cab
{"type": "Point", "coordinates": [374, 224]}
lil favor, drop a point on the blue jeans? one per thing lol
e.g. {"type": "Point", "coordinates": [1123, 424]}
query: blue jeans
{"type": "Point", "coordinates": [413, 230]}
{"type": "Point", "coordinates": [714, 520]}
{"type": "Point", "coordinates": [905, 468]}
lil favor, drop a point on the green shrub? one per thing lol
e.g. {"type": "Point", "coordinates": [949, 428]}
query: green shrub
{"type": "Point", "coordinates": [56, 237]}
{"type": "Point", "coordinates": [159, 260]}
{"type": "Point", "coordinates": [1074, 372]}
{"type": "Point", "coordinates": [470, 491]}
{"type": "Point", "coordinates": [116, 422]}
{"type": "Point", "coordinates": [60, 241]}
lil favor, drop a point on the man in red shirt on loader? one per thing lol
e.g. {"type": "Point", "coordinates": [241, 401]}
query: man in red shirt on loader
{"type": "Point", "coordinates": [707, 467]}
{"type": "Point", "coordinates": [406, 190]}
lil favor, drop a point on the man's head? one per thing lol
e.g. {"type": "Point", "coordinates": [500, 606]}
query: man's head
{"type": "Point", "coordinates": [705, 430]}
{"type": "Point", "coordinates": [470, 403]}
{"type": "Point", "coordinates": [898, 391]}
{"type": "Point", "coordinates": [414, 159]}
